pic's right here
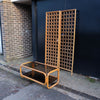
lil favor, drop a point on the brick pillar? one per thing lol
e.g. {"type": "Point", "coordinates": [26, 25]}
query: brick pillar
{"type": "Point", "coordinates": [16, 21]}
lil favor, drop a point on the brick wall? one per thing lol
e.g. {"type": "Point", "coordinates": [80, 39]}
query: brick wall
{"type": "Point", "coordinates": [16, 23]}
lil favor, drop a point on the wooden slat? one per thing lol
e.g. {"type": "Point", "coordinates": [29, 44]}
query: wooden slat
{"type": "Point", "coordinates": [59, 39]}
{"type": "Point", "coordinates": [74, 42]}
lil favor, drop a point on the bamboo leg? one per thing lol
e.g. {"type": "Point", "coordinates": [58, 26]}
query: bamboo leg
{"type": "Point", "coordinates": [33, 65]}
{"type": "Point", "coordinates": [46, 69]}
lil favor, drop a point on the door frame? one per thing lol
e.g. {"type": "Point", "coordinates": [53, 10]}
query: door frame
{"type": "Point", "coordinates": [1, 35]}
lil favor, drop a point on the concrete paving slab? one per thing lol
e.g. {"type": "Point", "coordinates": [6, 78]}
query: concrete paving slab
{"type": "Point", "coordinates": [10, 84]}
{"type": "Point", "coordinates": [37, 92]}
{"type": "Point", "coordinates": [80, 83]}
{"type": "Point", "coordinates": [73, 95]}
{"type": "Point", "coordinates": [16, 62]}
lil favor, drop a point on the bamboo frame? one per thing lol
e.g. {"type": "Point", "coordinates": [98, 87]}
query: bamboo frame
{"type": "Point", "coordinates": [46, 74]}
{"type": "Point", "coordinates": [49, 87]}
{"type": "Point", "coordinates": [74, 42]}
{"type": "Point", "coordinates": [59, 39]}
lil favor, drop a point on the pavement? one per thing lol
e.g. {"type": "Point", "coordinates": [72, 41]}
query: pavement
{"type": "Point", "coordinates": [37, 92]}
{"type": "Point", "coordinates": [10, 84]}
{"type": "Point", "coordinates": [13, 87]}
{"type": "Point", "coordinates": [76, 87]}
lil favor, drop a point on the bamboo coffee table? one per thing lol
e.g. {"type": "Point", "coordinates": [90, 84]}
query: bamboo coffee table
{"type": "Point", "coordinates": [41, 73]}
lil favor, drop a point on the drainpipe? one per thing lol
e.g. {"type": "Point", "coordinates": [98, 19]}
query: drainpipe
{"type": "Point", "coordinates": [34, 30]}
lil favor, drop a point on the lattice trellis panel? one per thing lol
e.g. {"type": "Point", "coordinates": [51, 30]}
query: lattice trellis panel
{"type": "Point", "coordinates": [51, 38]}
{"type": "Point", "coordinates": [68, 26]}
{"type": "Point", "coordinates": [60, 38]}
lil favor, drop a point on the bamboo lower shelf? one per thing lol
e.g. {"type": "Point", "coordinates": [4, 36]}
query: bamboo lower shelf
{"type": "Point", "coordinates": [43, 74]}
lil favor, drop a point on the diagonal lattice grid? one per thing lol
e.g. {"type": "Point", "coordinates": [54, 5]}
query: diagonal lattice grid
{"type": "Point", "coordinates": [62, 25]}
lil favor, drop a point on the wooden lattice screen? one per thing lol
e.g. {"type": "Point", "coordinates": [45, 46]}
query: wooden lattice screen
{"type": "Point", "coordinates": [60, 38]}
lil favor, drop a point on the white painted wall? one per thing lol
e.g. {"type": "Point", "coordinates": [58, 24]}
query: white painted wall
{"type": "Point", "coordinates": [0, 42]}
{"type": "Point", "coordinates": [22, 1]}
